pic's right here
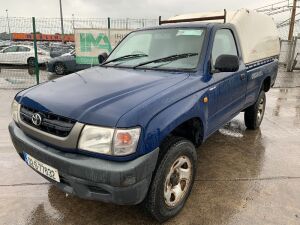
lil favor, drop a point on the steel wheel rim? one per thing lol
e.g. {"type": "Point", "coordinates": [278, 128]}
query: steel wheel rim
{"type": "Point", "coordinates": [178, 181]}
{"type": "Point", "coordinates": [261, 108]}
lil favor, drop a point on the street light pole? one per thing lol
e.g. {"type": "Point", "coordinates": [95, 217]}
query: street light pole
{"type": "Point", "coordinates": [292, 22]}
{"type": "Point", "coordinates": [73, 23]}
{"type": "Point", "coordinates": [8, 24]}
{"type": "Point", "coordinates": [61, 22]}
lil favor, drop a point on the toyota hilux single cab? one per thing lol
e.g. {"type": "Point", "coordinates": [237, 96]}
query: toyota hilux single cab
{"type": "Point", "coordinates": [126, 131]}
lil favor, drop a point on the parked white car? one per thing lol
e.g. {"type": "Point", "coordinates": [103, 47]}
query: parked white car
{"type": "Point", "coordinates": [22, 54]}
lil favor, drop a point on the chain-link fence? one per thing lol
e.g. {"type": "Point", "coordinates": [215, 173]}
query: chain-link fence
{"type": "Point", "coordinates": [290, 52]}
{"type": "Point", "coordinates": [284, 51]}
{"type": "Point", "coordinates": [17, 50]}
{"type": "Point", "coordinates": [283, 29]}
{"type": "Point", "coordinates": [17, 55]}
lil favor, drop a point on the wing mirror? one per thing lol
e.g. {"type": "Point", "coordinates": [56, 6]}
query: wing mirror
{"type": "Point", "coordinates": [102, 57]}
{"type": "Point", "coordinates": [227, 63]}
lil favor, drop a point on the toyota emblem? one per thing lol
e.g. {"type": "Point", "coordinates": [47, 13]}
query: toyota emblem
{"type": "Point", "coordinates": [36, 119]}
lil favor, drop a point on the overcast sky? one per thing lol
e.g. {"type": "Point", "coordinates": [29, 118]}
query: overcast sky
{"type": "Point", "coordinates": [120, 8]}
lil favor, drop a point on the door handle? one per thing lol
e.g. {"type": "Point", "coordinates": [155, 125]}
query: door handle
{"type": "Point", "coordinates": [243, 76]}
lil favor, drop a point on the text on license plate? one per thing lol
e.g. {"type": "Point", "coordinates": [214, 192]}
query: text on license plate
{"type": "Point", "coordinates": [43, 168]}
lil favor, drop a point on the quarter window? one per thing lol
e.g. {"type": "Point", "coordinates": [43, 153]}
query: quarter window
{"type": "Point", "coordinates": [224, 44]}
{"type": "Point", "coordinates": [23, 49]}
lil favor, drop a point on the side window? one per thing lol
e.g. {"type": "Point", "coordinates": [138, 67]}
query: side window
{"type": "Point", "coordinates": [23, 49]}
{"type": "Point", "coordinates": [224, 43]}
{"type": "Point", "coordinates": [11, 49]}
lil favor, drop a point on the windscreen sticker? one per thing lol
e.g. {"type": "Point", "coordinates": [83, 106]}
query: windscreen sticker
{"type": "Point", "coordinates": [189, 32]}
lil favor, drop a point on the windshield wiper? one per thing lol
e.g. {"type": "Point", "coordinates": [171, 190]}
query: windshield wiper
{"type": "Point", "coordinates": [167, 59]}
{"type": "Point", "coordinates": [125, 57]}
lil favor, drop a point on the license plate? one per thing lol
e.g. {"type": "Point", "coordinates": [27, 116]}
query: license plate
{"type": "Point", "coordinates": [43, 168]}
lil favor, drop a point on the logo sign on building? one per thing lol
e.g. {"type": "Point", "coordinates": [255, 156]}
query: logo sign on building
{"type": "Point", "coordinates": [90, 43]}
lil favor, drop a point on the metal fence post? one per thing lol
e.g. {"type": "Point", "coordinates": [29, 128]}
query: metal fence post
{"type": "Point", "coordinates": [108, 26]}
{"type": "Point", "coordinates": [291, 55]}
{"type": "Point", "coordinates": [36, 62]}
{"type": "Point", "coordinates": [108, 22]}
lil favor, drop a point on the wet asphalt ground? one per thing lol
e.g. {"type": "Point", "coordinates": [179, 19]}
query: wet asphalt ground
{"type": "Point", "coordinates": [244, 177]}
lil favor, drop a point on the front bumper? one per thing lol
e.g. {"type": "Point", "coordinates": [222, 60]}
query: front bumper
{"type": "Point", "coordinates": [124, 183]}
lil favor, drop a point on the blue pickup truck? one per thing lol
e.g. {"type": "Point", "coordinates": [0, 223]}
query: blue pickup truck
{"type": "Point", "coordinates": [126, 131]}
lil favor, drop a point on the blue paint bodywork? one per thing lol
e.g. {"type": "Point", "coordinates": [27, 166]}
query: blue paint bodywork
{"type": "Point", "coordinates": [156, 100]}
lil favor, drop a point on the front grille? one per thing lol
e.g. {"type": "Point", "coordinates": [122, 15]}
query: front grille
{"type": "Point", "coordinates": [51, 123]}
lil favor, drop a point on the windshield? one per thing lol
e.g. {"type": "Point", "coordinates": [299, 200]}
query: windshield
{"type": "Point", "coordinates": [160, 48]}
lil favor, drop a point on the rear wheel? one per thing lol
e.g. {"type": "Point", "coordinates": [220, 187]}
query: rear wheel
{"type": "Point", "coordinates": [254, 114]}
{"type": "Point", "coordinates": [31, 61]}
{"type": "Point", "coordinates": [59, 68]}
{"type": "Point", "coordinates": [173, 179]}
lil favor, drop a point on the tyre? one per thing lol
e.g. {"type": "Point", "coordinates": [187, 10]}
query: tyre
{"type": "Point", "coordinates": [31, 61]}
{"type": "Point", "coordinates": [59, 68]}
{"type": "Point", "coordinates": [254, 114]}
{"type": "Point", "coordinates": [172, 180]}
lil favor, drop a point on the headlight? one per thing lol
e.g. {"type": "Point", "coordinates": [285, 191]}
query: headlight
{"type": "Point", "coordinates": [14, 110]}
{"type": "Point", "coordinates": [109, 141]}
{"type": "Point", "coordinates": [96, 139]}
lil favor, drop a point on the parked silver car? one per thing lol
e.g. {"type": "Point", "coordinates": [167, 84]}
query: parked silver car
{"type": "Point", "coordinates": [65, 63]}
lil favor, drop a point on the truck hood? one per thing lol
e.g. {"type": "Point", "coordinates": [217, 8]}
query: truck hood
{"type": "Point", "coordinates": [98, 95]}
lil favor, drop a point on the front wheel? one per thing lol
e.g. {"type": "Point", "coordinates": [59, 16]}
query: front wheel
{"type": "Point", "coordinates": [254, 114]}
{"type": "Point", "coordinates": [173, 180]}
{"type": "Point", "coordinates": [59, 68]}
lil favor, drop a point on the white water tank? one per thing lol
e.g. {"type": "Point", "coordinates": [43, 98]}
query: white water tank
{"type": "Point", "coordinates": [257, 32]}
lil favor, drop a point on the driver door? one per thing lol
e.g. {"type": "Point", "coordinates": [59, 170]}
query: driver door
{"type": "Point", "coordinates": [23, 54]}
{"type": "Point", "coordinates": [229, 89]}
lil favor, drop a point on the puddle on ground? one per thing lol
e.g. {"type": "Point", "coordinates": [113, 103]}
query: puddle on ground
{"type": "Point", "coordinates": [234, 128]}
{"type": "Point", "coordinates": [15, 81]}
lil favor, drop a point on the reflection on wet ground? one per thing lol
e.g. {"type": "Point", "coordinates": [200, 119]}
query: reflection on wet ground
{"type": "Point", "coordinates": [244, 177]}
{"type": "Point", "coordinates": [287, 79]}
{"type": "Point", "coordinates": [20, 77]}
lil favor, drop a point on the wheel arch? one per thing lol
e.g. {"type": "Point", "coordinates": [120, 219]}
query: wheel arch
{"type": "Point", "coordinates": [266, 85]}
{"type": "Point", "coordinates": [184, 119]}
{"type": "Point", "coordinates": [191, 129]}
